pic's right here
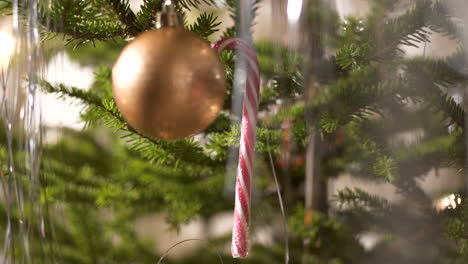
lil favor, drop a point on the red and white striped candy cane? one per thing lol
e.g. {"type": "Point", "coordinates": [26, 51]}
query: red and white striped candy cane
{"type": "Point", "coordinates": [240, 231]}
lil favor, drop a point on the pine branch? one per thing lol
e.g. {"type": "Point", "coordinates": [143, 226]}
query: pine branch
{"type": "Point", "coordinates": [205, 25]}
{"type": "Point", "coordinates": [234, 9]}
{"type": "Point", "coordinates": [295, 111]}
{"type": "Point", "coordinates": [358, 198]}
{"type": "Point", "coordinates": [229, 32]}
{"type": "Point", "coordinates": [72, 92]}
{"type": "Point", "coordinates": [410, 29]}
{"type": "Point", "coordinates": [377, 161]}
{"type": "Point", "coordinates": [147, 14]}
{"type": "Point", "coordinates": [454, 110]}
{"type": "Point", "coordinates": [219, 143]}
{"type": "Point", "coordinates": [281, 66]}
{"type": "Point", "coordinates": [430, 147]}
{"type": "Point", "coordinates": [5, 6]}
{"type": "Point", "coordinates": [90, 31]}
{"type": "Point", "coordinates": [353, 56]}
{"type": "Point", "coordinates": [125, 14]}
{"type": "Point", "coordinates": [79, 21]}
{"type": "Point", "coordinates": [431, 74]}
{"type": "Point", "coordinates": [352, 98]}
{"type": "Point", "coordinates": [437, 71]}
{"type": "Point", "coordinates": [187, 4]}
{"type": "Point", "coordinates": [135, 182]}
{"type": "Point", "coordinates": [175, 152]}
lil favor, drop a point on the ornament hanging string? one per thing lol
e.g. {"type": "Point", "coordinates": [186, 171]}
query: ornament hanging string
{"type": "Point", "coordinates": [164, 255]}
{"type": "Point", "coordinates": [240, 232]}
{"type": "Point", "coordinates": [281, 204]}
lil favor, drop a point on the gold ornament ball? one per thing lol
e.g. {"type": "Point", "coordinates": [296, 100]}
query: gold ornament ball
{"type": "Point", "coordinates": [168, 83]}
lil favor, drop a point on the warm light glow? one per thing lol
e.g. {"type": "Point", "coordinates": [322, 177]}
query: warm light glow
{"type": "Point", "coordinates": [294, 10]}
{"type": "Point", "coordinates": [7, 47]}
{"type": "Point", "coordinates": [128, 68]}
{"type": "Point", "coordinates": [448, 202]}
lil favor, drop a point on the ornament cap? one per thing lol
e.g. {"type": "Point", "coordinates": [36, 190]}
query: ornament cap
{"type": "Point", "coordinates": [168, 17]}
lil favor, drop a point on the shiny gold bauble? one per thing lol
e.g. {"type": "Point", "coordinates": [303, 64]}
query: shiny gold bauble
{"type": "Point", "coordinates": [168, 83]}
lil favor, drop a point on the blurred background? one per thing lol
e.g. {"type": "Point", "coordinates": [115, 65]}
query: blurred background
{"type": "Point", "coordinates": [362, 110]}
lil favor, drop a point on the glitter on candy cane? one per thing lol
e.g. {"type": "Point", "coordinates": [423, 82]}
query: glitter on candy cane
{"type": "Point", "coordinates": [240, 232]}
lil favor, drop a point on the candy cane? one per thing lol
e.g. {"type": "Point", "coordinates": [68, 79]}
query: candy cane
{"type": "Point", "coordinates": [240, 231]}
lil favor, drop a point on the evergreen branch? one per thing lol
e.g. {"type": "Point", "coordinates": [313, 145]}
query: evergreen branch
{"type": "Point", "coordinates": [155, 150]}
{"type": "Point", "coordinates": [433, 70]}
{"type": "Point", "coordinates": [377, 161]}
{"type": "Point", "coordinates": [218, 143]}
{"type": "Point", "coordinates": [187, 150]}
{"type": "Point", "coordinates": [5, 6]}
{"type": "Point", "coordinates": [60, 172]}
{"type": "Point", "coordinates": [441, 145]}
{"type": "Point", "coordinates": [295, 111]}
{"type": "Point", "coordinates": [455, 228]}
{"type": "Point", "coordinates": [353, 56]}
{"type": "Point", "coordinates": [91, 99]}
{"type": "Point", "coordinates": [87, 31]}
{"type": "Point", "coordinates": [125, 14]}
{"type": "Point", "coordinates": [410, 29]}
{"type": "Point", "coordinates": [137, 186]}
{"type": "Point", "coordinates": [147, 14]}
{"type": "Point", "coordinates": [194, 3]}
{"type": "Point", "coordinates": [358, 198]}
{"type": "Point", "coordinates": [72, 92]}
{"type": "Point", "coordinates": [286, 80]}
{"type": "Point", "coordinates": [81, 20]}
{"type": "Point", "coordinates": [229, 32]}
{"type": "Point", "coordinates": [234, 8]}
{"type": "Point", "coordinates": [205, 25]}
{"type": "Point", "coordinates": [353, 98]}
{"type": "Point", "coordinates": [431, 74]}
{"type": "Point", "coordinates": [454, 110]}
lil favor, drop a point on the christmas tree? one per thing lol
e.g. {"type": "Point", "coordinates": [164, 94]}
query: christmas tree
{"type": "Point", "coordinates": [343, 103]}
